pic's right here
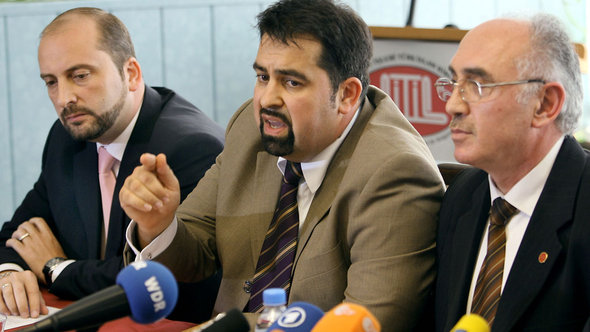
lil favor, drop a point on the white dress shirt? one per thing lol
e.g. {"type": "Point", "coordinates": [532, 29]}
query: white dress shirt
{"type": "Point", "coordinates": [524, 196]}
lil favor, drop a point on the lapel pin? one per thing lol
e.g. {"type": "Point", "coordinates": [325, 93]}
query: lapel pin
{"type": "Point", "coordinates": [543, 257]}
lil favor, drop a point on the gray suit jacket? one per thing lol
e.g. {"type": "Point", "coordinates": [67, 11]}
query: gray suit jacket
{"type": "Point", "coordinates": [369, 236]}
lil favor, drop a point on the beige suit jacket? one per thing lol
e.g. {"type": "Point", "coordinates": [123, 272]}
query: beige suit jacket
{"type": "Point", "coordinates": [369, 236]}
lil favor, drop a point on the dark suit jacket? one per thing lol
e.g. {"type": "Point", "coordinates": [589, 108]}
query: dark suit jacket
{"type": "Point", "coordinates": [67, 193]}
{"type": "Point", "coordinates": [549, 296]}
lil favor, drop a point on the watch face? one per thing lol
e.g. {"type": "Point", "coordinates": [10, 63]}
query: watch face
{"type": "Point", "coordinates": [53, 262]}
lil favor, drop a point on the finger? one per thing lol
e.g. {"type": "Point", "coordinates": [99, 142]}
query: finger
{"type": "Point", "coordinates": [148, 160]}
{"type": "Point", "coordinates": [8, 296]}
{"type": "Point", "coordinates": [20, 296]}
{"type": "Point", "coordinates": [20, 231]}
{"type": "Point", "coordinates": [3, 307]}
{"type": "Point", "coordinates": [15, 244]}
{"type": "Point", "coordinates": [143, 189]}
{"type": "Point", "coordinates": [40, 225]}
{"type": "Point", "coordinates": [34, 297]}
{"type": "Point", "coordinates": [44, 309]}
{"type": "Point", "coordinates": [27, 227]}
{"type": "Point", "coordinates": [165, 173]}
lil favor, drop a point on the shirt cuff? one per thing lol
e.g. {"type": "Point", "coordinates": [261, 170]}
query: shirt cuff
{"type": "Point", "coordinates": [11, 267]}
{"type": "Point", "coordinates": [59, 268]}
{"type": "Point", "coordinates": [154, 248]}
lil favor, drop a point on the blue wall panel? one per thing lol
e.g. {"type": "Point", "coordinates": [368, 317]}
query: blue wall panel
{"type": "Point", "coordinates": [188, 55]}
{"type": "Point", "coordinates": [203, 49]}
{"type": "Point", "coordinates": [6, 153]}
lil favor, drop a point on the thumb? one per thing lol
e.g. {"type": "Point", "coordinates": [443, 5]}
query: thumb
{"type": "Point", "coordinates": [165, 173]}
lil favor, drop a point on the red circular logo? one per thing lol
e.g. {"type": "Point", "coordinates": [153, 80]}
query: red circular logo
{"type": "Point", "coordinates": [412, 89]}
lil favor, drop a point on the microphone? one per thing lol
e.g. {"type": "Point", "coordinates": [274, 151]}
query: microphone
{"type": "Point", "coordinates": [146, 290]}
{"type": "Point", "coordinates": [348, 317]}
{"type": "Point", "coordinates": [232, 320]}
{"type": "Point", "coordinates": [471, 323]}
{"type": "Point", "coordinates": [299, 317]}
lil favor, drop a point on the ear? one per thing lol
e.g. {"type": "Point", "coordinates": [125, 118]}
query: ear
{"type": "Point", "coordinates": [134, 75]}
{"type": "Point", "coordinates": [552, 99]}
{"type": "Point", "coordinates": [349, 94]}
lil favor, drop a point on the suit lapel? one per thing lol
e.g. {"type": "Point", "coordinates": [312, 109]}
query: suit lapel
{"type": "Point", "coordinates": [139, 143]}
{"type": "Point", "coordinates": [87, 193]}
{"type": "Point", "coordinates": [466, 242]}
{"type": "Point", "coordinates": [553, 210]}
{"type": "Point", "coordinates": [324, 196]}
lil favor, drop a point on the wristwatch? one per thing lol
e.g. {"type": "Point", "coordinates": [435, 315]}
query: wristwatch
{"type": "Point", "coordinates": [50, 267]}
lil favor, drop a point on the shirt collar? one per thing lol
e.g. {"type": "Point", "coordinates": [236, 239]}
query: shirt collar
{"type": "Point", "coordinates": [315, 169]}
{"type": "Point", "coordinates": [117, 147]}
{"type": "Point", "coordinates": [526, 192]}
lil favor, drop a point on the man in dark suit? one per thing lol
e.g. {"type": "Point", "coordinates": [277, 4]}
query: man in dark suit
{"type": "Point", "coordinates": [59, 236]}
{"type": "Point", "coordinates": [515, 99]}
{"type": "Point", "coordinates": [366, 200]}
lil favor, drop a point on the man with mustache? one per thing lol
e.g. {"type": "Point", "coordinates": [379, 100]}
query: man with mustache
{"type": "Point", "coordinates": [513, 239]}
{"type": "Point", "coordinates": [68, 233]}
{"type": "Point", "coordinates": [357, 216]}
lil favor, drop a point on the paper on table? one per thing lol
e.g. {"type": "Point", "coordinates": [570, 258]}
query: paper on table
{"type": "Point", "coordinates": [16, 321]}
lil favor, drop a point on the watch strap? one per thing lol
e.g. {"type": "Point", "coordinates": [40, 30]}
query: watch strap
{"type": "Point", "coordinates": [50, 267]}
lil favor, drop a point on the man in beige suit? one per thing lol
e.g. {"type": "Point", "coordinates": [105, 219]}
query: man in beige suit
{"type": "Point", "coordinates": [368, 199]}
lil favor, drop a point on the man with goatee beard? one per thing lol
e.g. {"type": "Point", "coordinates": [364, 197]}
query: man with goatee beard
{"type": "Point", "coordinates": [356, 220]}
{"type": "Point", "coordinates": [68, 233]}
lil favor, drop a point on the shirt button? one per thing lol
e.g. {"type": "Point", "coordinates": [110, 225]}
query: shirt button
{"type": "Point", "coordinates": [149, 256]}
{"type": "Point", "coordinates": [247, 286]}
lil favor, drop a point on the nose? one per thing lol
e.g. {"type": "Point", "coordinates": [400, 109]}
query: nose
{"type": "Point", "coordinates": [65, 95]}
{"type": "Point", "coordinates": [271, 95]}
{"type": "Point", "coordinates": [455, 104]}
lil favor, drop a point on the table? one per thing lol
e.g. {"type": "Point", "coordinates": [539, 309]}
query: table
{"type": "Point", "coordinates": [120, 325]}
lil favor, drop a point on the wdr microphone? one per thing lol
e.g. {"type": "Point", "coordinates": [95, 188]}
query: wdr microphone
{"type": "Point", "coordinates": [348, 317]}
{"type": "Point", "coordinates": [471, 323]}
{"type": "Point", "coordinates": [299, 317]}
{"type": "Point", "coordinates": [146, 290]}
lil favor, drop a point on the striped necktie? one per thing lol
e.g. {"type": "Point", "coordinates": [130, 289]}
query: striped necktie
{"type": "Point", "coordinates": [278, 250]}
{"type": "Point", "coordinates": [489, 281]}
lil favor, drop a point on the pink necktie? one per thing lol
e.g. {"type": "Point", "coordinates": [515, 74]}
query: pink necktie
{"type": "Point", "coordinates": [107, 179]}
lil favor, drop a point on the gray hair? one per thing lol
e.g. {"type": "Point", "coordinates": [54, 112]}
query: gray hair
{"type": "Point", "coordinates": [554, 59]}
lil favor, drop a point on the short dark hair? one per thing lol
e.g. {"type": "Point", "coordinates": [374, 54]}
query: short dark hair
{"type": "Point", "coordinates": [347, 45]}
{"type": "Point", "coordinates": [114, 38]}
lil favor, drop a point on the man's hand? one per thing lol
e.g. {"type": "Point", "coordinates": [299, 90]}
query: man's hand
{"type": "Point", "coordinates": [36, 248]}
{"type": "Point", "coordinates": [150, 197]}
{"type": "Point", "coordinates": [21, 295]}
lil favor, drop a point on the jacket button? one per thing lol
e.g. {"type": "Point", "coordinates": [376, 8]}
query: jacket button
{"type": "Point", "coordinates": [247, 286]}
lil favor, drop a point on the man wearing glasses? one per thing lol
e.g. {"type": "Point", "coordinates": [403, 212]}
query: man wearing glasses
{"type": "Point", "coordinates": [514, 234]}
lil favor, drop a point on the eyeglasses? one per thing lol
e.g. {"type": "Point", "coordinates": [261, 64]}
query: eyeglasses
{"type": "Point", "coordinates": [472, 91]}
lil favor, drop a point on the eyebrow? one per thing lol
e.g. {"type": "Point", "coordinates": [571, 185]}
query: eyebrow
{"type": "Point", "coordinates": [284, 72]}
{"type": "Point", "coordinates": [70, 70]}
{"type": "Point", "coordinates": [479, 72]}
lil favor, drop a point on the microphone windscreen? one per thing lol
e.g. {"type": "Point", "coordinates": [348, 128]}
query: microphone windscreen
{"type": "Point", "coordinates": [471, 323]}
{"type": "Point", "coordinates": [299, 316]}
{"type": "Point", "coordinates": [348, 317]}
{"type": "Point", "coordinates": [151, 290]}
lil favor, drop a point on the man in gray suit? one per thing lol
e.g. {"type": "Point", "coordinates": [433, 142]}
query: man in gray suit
{"type": "Point", "coordinates": [367, 202]}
